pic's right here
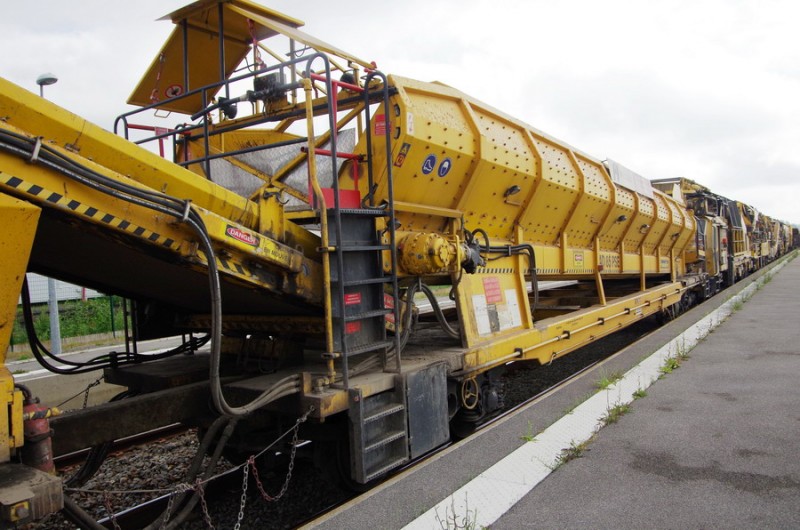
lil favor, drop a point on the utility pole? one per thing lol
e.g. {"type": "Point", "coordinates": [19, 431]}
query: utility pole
{"type": "Point", "coordinates": [52, 295]}
{"type": "Point", "coordinates": [55, 323]}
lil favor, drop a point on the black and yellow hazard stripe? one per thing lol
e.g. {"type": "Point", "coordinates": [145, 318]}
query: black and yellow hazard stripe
{"type": "Point", "coordinates": [231, 265]}
{"type": "Point", "coordinates": [40, 194]}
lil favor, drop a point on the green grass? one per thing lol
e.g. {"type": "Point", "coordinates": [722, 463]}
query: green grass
{"type": "Point", "coordinates": [606, 380]}
{"type": "Point", "coordinates": [575, 450]}
{"type": "Point", "coordinates": [529, 436]}
{"type": "Point", "coordinates": [77, 318]}
{"type": "Point", "coordinates": [576, 403]}
{"type": "Point", "coordinates": [451, 520]}
{"type": "Point", "coordinates": [615, 413]}
{"type": "Point", "coordinates": [640, 393]}
{"type": "Point", "coordinates": [670, 364]}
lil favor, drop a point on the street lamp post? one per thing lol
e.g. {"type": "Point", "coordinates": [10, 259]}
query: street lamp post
{"type": "Point", "coordinates": [45, 79]}
{"type": "Point", "coordinates": [52, 298]}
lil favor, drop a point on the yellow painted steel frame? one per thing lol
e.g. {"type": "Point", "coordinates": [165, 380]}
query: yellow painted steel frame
{"type": "Point", "coordinates": [233, 226]}
{"type": "Point", "coordinates": [552, 338]}
{"type": "Point", "coordinates": [243, 247]}
{"type": "Point", "coordinates": [61, 128]}
{"type": "Point", "coordinates": [19, 220]}
{"type": "Point", "coordinates": [456, 158]}
{"type": "Point", "coordinates": [453, 153]}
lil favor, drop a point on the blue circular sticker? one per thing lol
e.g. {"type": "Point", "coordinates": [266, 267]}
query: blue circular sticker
{"type": "Point", "coordinates": [429, 165]}
{"type": "Point", "coordinates": [444, 167]}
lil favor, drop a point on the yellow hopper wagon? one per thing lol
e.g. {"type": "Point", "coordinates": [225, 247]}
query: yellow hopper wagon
{"type": "Point", "coordinates": [350, 251]}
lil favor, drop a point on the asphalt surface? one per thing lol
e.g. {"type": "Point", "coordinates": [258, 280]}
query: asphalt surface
{"type": "Point", "coordinates": [67, 391]}
{"type": "Point", "coordinates": [713, 445]}
{"type": "Point", "coordinates": [668, 452]}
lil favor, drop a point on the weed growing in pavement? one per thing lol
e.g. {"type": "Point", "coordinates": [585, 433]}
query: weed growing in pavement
{"type": "Point", "coordinates": [575, 450]}
{"type": "Point", "coordinates": [682, 352]}
{"type": "Point", "coordinates": [670, 364]}
{"type": "Point", "coordinates": [639, 393]}
{"type": "Point", "coordinates": [454, 521]}
{"type": "Point", "coordinates": [606, 380]}
{"type": "Point", "coordinates": [529, 436]}
{"type": "Point", "coordinates": [576, 404]}
{"type": "Point", "coordinates": [737, 306]}
{"type": "Point", "coordinates": [614, 413]}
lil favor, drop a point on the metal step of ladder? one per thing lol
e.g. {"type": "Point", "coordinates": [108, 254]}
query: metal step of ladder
{"type": "Point", "coordinates": [378, 432]}
{"type": "Point", "coordinates": [359, 293]}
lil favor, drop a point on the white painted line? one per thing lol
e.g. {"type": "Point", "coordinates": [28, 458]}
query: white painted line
{"type": "Point", "coordinates": [492, 493]}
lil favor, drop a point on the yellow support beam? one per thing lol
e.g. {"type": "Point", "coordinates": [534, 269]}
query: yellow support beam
{"type": "Point", "coordinates": [19, 220]}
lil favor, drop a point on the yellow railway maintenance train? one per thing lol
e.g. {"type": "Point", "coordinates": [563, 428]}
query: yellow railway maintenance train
{"type": "Point", "coordinates": [306, 206]}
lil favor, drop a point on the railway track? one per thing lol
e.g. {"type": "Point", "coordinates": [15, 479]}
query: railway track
{"type": "Point", "coordinates": [225, 491]}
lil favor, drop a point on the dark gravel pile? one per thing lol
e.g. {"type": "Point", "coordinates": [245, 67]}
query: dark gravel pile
{"type": "Point", "coordinates": [159, 466]}
{"type": "Point", "coordinates": [525, 380]}
{"type": "Point", "coordinates": [163, 464]}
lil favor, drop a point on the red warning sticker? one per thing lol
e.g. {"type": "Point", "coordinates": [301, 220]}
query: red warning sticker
{"type": "Point", "coordinates": [352, 298]}
{"type": "Point", "coordinates": [388, 303]}
{"type": "Point", "coordinates": [380, 125]}
{"type": "Point", "coordinates": [491, 286]}
{"type": "Point", "coordinates": [352, 327]}
{"type": "Point", "coordinates": [401, 156]}
{"type": "Point", "coordinates": [173, 91]}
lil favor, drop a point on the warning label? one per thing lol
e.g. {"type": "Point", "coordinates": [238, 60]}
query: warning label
{"type": "Point", "coordinates": [491, 286]}
{"type": "Point", "coordinates": [352, 298]}
{"type": "Point", "coordinates": [380, 125]}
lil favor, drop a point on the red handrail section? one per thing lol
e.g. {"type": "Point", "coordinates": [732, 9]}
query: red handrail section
{"type": "Point", "coordinates": [156, 130]}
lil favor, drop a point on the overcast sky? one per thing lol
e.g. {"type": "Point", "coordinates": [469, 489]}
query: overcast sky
{"type": "Point", "coordinates": [708, 90]}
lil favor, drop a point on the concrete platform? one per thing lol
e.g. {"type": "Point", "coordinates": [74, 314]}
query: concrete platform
{"type": "Point", "coordinates": [713, 445]}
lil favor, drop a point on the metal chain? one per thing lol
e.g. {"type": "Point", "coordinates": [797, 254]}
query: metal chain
{"type": "Point", "coordinates": [88, 388]}
{"type": "Point", "coordinates": [179, 489]}
{"type": "Point", "coordinates": [267, 497]}
{"type": "Point", "coordinates": [243, 501]}
{"type": "Point", "coordinates": [110, 510]}
{"type": "Point", "coordinates": [85, 391]}
{"type": "Point", "coordinates": [198, 487]}
{"type": "Point", "coordinates": [168, 511]}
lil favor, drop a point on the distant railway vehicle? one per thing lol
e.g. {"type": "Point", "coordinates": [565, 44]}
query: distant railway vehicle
{"type": "Point", "coordinates": [304, 207]}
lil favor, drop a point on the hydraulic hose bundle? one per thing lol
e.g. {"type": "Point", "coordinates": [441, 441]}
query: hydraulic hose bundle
{"type": "Point", "coordinates": [37, 152]}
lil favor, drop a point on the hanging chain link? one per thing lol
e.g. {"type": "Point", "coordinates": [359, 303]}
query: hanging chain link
{"type": "Point", "coordinates": [168, 511]}
{"type": "Point", "coordinates": [243, 500]}
{"type": "Point", "coordinates": [88, 388]}
{"type": "Point", "coordinates": [110, 510]}
{"type": "Point", "coordinates": [198, 487]}
{"type": "Point", "coordinates": [266, 496]}
{"type": "Point", "coordinates": [85, 393]}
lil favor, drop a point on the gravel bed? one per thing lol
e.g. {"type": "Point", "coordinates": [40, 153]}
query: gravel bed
{"type": "Point", "coordinates": [524, 380]}
{"type": "Point", "coordinates": [164, 463]}
{"type": "Point", "coordinates": [156, 467]}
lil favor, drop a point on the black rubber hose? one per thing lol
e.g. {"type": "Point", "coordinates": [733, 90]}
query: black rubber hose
{"type": "Point", "coordinates": [190, 499]}
{"type": "Point", "coordinates": [437, 311]}
{"type": "Point", "coordinates": [169, 206]}
{"type": "Point", "coordinates": [78, 516]}
{"type": "Point", "coordinates": [96, 456]}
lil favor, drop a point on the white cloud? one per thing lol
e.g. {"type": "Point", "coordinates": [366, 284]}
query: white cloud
{"type": "Point", "coordinates": [705, 89]}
